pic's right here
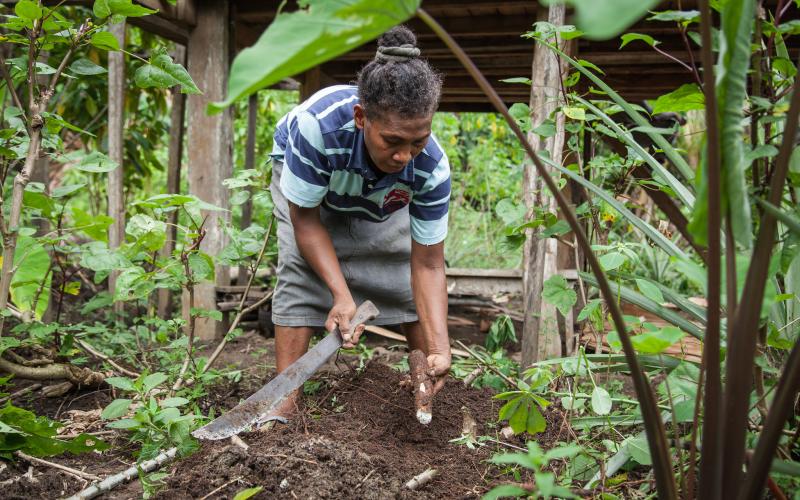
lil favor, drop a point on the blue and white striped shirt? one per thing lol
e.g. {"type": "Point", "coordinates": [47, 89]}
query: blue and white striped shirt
{"type": "Point", "coordinates": [326, 162]}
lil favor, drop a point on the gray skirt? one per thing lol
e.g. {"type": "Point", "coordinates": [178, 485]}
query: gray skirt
{"type": "Point", "coordinates": [375, 259]}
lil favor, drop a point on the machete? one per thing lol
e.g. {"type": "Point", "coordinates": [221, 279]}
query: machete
{"type": "Point", "coordinates": [255, 408]}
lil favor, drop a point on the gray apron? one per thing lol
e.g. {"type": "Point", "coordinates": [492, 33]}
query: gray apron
{"type": "Point", "coordinates": [375, 258]}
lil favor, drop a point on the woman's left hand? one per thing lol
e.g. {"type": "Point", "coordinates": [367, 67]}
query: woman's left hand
{"type": "Point", "coordinates": [439, 367]}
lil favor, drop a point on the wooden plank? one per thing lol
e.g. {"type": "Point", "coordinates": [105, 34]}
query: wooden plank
{"type": "Point", "coordinates": [210, 141]}
{"type": "Point", "coordinates": [175, 154]}
{"type": "Point", "coordinates": [116, 148]}
{"type": "Point", "coordinates": [540, 332]}
{"type": "Point", "coordinates": [312, 82]}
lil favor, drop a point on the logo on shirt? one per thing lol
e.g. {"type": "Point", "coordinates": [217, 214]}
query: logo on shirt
{"type": "Point", "coordinates": [395, 200]}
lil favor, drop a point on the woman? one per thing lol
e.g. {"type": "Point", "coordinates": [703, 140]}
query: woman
{"type": "Point", "coordinates": [361, 192]}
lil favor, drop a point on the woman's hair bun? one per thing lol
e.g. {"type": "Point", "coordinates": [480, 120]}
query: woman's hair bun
{"type": "Point", "coordinates": [397, 37]}
{"type": "Point", "coordinates": [397, 45]}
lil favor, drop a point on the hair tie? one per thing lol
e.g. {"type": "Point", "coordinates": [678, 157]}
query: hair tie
{"type": "Point", "coordinates": [403, 53]}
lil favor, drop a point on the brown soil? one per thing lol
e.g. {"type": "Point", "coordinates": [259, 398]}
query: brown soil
{"type": "Point", "coordinates": [356, 437]}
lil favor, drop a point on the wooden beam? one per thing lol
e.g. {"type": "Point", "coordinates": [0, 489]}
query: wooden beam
{"type": "Point", "coordinates": [175, 154]}
{"type": "Point", "coordinates": [540, 332]}
{"type": "Point", "coordinates": [311, 83]}
{"type": "Point", "coordinates": [210, 140]}
{"type": "Point", "coordinates": [116, 149]}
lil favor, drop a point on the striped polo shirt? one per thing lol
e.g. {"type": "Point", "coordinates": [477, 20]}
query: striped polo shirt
{"type": "Point", "coordinates": [326, 162]}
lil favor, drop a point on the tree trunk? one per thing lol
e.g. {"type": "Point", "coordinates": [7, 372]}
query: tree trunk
{"type": "Point", "coordinates": [116, 119]}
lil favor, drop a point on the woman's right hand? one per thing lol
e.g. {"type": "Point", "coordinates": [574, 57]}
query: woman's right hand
{"type": "Point", "coordinates": [339, 316]}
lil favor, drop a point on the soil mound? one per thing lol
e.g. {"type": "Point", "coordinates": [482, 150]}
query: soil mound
{"type": "Point", "coordinates": [356, 437]}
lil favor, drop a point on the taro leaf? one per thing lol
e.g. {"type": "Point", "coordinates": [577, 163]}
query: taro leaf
{"type": "Point", "coordinates": [126, 8]}
{"type": "Point", "coordinates": [116, 409]}
{"type": "Point", "coordinates": [604, 19]}
{"type": "Point", "coordinates": [162, 72]}
{"type": "Point", "coordinates": [685, 98]}
{"type": "Point", "coordinates": [601, 401]}
{"type": "Point", "coordinates": [84, 66]}
{"type": "Point", "coordinates": [309, 37]}
{"type": "Point", "coordinates": [656, 342]}
{"type": "Point", "coordinates": [33, 264]}
{"type": "Point", "coordinates": [630, 37]}
{"type": "Point", "coordinates": [559, 292]}
{"type": "Point", "coordinates": [734, 63]}
{"type": "Point", "coordinates": [104, 40]}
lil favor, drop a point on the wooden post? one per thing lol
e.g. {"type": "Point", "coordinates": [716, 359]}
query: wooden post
{"type": "Point", "coordinates": [249, 162]}
{"type": "Point", "coordinates": [210, 141]}
{"type": "Point", "coordinates": [540, 332]}
{"type": "Point", "coordinates": [312, 82]}
{"type": "Point", "coordinates": [116, 119]}
{"type": "Point", "coordinates": [176, 129]}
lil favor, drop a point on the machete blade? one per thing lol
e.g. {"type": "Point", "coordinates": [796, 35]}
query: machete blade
{"type": "Point", "coordinates": [252, 410]}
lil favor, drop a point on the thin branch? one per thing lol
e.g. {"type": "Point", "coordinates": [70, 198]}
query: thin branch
{"type": "Point", "coordinates": [64, 468]}
{"type": "Point", "coordinates": [97, 354]}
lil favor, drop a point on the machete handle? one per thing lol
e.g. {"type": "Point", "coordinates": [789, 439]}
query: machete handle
{"type": "Point", "coordinates": [365, 312]}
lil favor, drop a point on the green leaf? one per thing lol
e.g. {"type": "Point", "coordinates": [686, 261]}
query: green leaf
{"type": "Point", "coordinates": [505, 491]}
{"type": "Point", "coordinates": [560, 293]}
{"type": "Point", "coordinates": [148, 232]}
{"type": "Point", "coordinates": [517, 79]}
{"type": "Point", "coordinates": [249, 492]}
{"type": "Point", "coordinates": [612, 260]}
{"type": "Point", "coordinates": [202, 266]}
{"type": "Point", "coordinates": [685, 98]}
{"type": "Point", "coordinates": [153, 380]}
{"type": "Point", "coordinates": [309, 37]}
{"type": "Point", "coordinates": [28, 9]}
{"type": "Point", "coordinates": [650, 290]}
{"type": "Point", "coordinates": [604, 19]}
{"type": "Point", "coordinates": [104, 40]}
{"type": "Point", "coordinates": [96, 162]}
{"type": "Point", "coordinates": [126, 8]}
{"type": "Point", "coordinates": [123, 383]}
{"type": "Point", "coordinates": [66, 190]}
{"type": "Point", "coordinates": [734, 63]}
{"type": "Point", "coordinates": [629, 37]}
{"type": "Point", "coordinates": [519, 419]}
{"type": "Point", "coordinates": [589, 308]}
{"type": "Point", "coordinates": [536, 422]}
{"type": "Point", "coordinates": [656, 342]}
{"type": "Point", "coordinates": [116, 409]}
{"type": "Point", "coordinates": [84, 66]}
{"type": "Point", "coordinates": [685, 17]}
{"type": "Point", "coordinates": [95, 227]}
{"type": "Point", "coordinates": [33, 263]}
{"type": "Point", "coordinates": [601, 401]}
{"type": "Point", "coordinates": [199, 312]}
{"type": "Point", "coordinates": [575, 113]}
{"type": "Point", "coordinates": [174, 402]}
{"type": "Point", "coordinates": [162, 72]}
{"type": "Point", "coordinates": [639, 450]}
{"type": "Point", "coordinates": [125, 423]}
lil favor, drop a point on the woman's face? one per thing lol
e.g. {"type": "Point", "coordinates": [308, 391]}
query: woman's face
{"type": "Point", "coordinates": [393, 141]}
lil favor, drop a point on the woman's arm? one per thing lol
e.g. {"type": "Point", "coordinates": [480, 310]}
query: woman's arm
{"type": "Point", "coordinates": [316, 247]}
{"type": "Point", "coordinates": [429, 284]}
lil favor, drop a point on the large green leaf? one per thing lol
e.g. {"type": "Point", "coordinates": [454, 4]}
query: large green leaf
{"type": "Point", "coordinates": [603, 19]}
{"type": "Point", "coordinates": [126, 8]}
{"type": "Point", "coordinates": [734, 62]}
{"type": "Point", "coordinates": [300, 40]}
{"type": "Point", "coordinates": [685, 98]}
{"type": "Point", "coordinates": [33, 264]}
{"type": "Point", "coordinates": [162, 72]}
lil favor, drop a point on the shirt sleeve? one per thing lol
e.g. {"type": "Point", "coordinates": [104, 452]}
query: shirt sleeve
{"type": "Point", "coordinates": [429, 206]}
{"type": "Point", "coordinates": [307, 172]}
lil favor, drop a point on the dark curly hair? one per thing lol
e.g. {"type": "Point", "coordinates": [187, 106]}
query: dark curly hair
{"type": "Point", "coordinates": [397, 80]}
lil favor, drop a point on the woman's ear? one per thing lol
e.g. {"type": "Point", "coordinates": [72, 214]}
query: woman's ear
{"type": "Point", "coordinates": [359, 116]}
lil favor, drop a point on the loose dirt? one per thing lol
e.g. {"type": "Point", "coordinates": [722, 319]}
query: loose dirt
{"type": "Point", "coordinates": [356, 437]}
